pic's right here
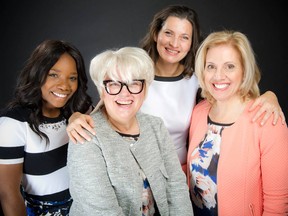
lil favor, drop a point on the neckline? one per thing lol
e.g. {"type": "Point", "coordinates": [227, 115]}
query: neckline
{"type": "Point", "coordinates": [128, 135]}
{"type": "Point", "coordinates": [218, 123]}
{"type": "Point", "coordinates": [169, 79]}
{"type": "Point", "coordinates": [48, 120]}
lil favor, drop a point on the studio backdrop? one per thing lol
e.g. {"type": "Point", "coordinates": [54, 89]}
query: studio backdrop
{"type": "Point", "coordinates": [93, 26]}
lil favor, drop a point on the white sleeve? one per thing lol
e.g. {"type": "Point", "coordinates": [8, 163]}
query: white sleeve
{"type": "Point", "coordinates": [12, 140]}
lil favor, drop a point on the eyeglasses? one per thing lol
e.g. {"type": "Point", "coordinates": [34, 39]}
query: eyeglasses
{"type": "Point", "coordinates": [115, 87]}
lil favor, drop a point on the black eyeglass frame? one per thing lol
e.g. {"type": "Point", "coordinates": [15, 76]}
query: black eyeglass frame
{"type": "Point", "coordinates": [123, 84]}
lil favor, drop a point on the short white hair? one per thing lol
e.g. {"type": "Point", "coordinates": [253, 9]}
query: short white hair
{"type": "Point", "coordinates": [125, 64]}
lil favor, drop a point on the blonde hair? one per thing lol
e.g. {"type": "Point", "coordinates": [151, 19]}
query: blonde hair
{"type": "Point", "coordinates": [251, 77]}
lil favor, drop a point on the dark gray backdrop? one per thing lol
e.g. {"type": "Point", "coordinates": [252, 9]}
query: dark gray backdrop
{"type": "Point", "coordinates": [97, 25]}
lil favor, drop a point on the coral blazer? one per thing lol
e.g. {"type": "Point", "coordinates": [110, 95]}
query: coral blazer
{"type": "Point", "coordinates": [252, 175]}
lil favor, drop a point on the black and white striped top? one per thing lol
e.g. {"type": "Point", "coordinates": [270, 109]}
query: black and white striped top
{"type": "Point", "coordinates": [45, 175]}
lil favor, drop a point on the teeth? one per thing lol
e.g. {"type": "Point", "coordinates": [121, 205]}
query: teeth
{"type": "Point", "coordinates": [172, 51]}
{"type": "Point", "coordinates": [220, 86]}
{"type": "Point", "coordinates": [124, 102]}
{"type": "Point", "coordinates": [60, 95]}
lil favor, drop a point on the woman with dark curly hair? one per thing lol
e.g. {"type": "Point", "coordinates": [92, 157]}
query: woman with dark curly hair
{"type": "Point", "coordinates": [33, 145]}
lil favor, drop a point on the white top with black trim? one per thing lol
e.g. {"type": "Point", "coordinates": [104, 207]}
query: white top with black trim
{"type": "Point", "coordinates": [173, 99]}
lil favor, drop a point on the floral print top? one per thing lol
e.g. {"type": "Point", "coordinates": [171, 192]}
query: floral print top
{"type": "Point", "coordinates": [203, 170]}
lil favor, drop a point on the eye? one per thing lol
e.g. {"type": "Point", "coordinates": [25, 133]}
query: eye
{"type": "Point", "coordinates": [74, 78]}
{"type": "Point", "coordinates": [136, 83]}
{"type": "Point", "coordinates": [52, 74]}
{"type": "Point", "coordinates": [229, 67]}
{"type": "Point", "coordinates": [114, 84]}
{"type": "Point", "coordinates": [168, 33]}
{"type": "Point", "coordinates": [185, 37]}
{"type": "Point", "coordinates": [210, 67]}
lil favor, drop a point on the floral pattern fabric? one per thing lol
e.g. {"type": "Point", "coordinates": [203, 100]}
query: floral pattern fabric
{"type": "Point", "coordinates": [203, 171]}
{"type": "Point", "coordinates": [48, 208]}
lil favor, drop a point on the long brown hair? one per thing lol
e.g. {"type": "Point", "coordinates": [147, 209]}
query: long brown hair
{"type": "Point", "coordinates": [182, 12]}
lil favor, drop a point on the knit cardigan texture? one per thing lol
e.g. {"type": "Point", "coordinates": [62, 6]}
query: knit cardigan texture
{"type": "Point", "coordinates": [105, 177]}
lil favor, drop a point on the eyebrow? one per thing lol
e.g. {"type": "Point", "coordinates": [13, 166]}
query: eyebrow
{"type": "Point", "coordinates": [187, 34]}
{"type": "Point", "coordinates": [58, 71]}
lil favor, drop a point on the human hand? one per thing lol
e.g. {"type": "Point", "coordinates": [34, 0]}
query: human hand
{"type": "Point", "coordinates": [269, 105]}
{"type": "Point", "coordinates": [77, 123]}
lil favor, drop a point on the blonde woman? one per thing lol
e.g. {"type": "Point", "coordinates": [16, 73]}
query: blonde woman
{"type": "Point", "coordinates": [235, 167]}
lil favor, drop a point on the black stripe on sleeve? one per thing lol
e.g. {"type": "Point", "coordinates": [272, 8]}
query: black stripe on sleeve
{"type": "Point", "coordinates": [11, 152]}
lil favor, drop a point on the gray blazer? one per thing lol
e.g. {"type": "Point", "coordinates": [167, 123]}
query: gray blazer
{"type": "Point", "coordinates": [105, 177]}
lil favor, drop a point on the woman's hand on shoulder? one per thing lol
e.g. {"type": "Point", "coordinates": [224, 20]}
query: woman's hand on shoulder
{"type": "Point", "coordinates": [76, 125]}
{"type": "Point", "coordinates": [269, 105]}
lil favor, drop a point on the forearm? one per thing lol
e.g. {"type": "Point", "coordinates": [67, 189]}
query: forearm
{"type": "Point", "coordinates": [10, 195]}
{"type": "Point", "coordinates": [274, 164]}
{"type": "Point", "coordinates": [13, 205]}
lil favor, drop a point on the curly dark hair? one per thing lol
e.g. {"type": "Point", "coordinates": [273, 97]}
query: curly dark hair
{"type": "Point", "coordinates": [28, 93]}
{"type": "Point", "coordinates": [182, 12]}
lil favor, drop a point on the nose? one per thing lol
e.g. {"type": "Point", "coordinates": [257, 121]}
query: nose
{"type": "Point", "coordinates": [63, 84]}
{"type": "Point", "coordinates": [174, 41]}
{"type": "Point", "coordinates": [124, 90]}
{"type": "Point", "coordinates": [219, 73]}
